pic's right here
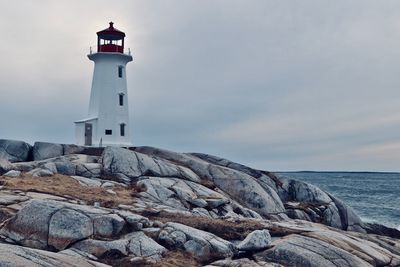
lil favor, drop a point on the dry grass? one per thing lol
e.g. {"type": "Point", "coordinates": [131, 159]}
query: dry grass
{"type": "Point", "coordinates": [170, 259]}
{"type": "Point", "coordinates": [225, 229]}
{"type": "Point", "coordinates": [65, 186]}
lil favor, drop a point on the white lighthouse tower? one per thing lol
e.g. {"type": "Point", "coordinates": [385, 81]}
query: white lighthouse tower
{"type": "Point", "coordinates": [108, 119]}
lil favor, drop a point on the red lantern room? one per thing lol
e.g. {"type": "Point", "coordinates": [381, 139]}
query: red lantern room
{"type": "Point", "coordinates": [110, 40]}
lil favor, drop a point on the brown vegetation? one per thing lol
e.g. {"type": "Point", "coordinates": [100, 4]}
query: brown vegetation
{"type": "Point", "coordinates": [170, 259]}
{"type": "Point", "coordinates": [225, 229]}
{"type": "Point", "coordinates": [65, 186]}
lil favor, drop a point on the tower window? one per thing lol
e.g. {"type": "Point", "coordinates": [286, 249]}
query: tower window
{"type": "Point", "coordinates": [108, 132]}
{"type": "Point", "coordinates": [121, 99]}
{"type": "Point", "coordinates": [122, 129]}
{"type": "Point", "coordinates": [120, 71]}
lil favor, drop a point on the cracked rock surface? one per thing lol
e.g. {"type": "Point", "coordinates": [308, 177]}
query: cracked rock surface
{"type": "Point", "coordinates": [65, 205]}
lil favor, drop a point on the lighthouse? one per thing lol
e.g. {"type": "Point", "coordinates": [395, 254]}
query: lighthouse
{"type": "Point", "coordinates": [107, 122]}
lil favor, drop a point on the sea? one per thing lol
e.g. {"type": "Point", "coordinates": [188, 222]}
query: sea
{"type": "Point", "coordinates": [375, 196]}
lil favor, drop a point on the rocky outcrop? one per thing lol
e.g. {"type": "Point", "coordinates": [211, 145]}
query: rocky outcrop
{"type": "Point", "coordinates": [255, 241]}
{"type": "Point", "coordinates": [14, 151]}
{"type": "Point", "coordinates": [47, 224]}
{"type": "Point", "coordinates": [11, 255]}
{"type": "Point", "coordinates": [43, 150]}
{"type": "Point", "coordinates": [142, 205]}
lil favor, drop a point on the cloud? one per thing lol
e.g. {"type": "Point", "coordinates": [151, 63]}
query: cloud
{"type": "Point", "coordinates": [279, 85]}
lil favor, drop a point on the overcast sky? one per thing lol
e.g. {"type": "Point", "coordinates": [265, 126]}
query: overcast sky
{"type": "Point", "coordinates": [278, 85]}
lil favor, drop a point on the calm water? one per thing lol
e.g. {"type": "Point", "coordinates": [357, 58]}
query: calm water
{"type": "Point", "coordinates": [374, 196]}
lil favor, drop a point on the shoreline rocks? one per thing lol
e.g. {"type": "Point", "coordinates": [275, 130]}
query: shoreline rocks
{"type": "Point", "coordinates": [189, 206]}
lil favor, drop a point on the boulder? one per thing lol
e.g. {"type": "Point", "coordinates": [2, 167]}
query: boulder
{"type": "Point", "coordinates": [14, 151]}
{"type": "Point", "coordinates": [143, 246]}
{"type": "Point", "coordinates": [67, 226]}
{"type": "Point", "coordinates": [296, 250]}
{"type": "Point", "coordinates": [43, 150]}
{"type": "Point", "coordinates": [240, 186]}
{"type": "Point", "coordinates": [89, 170]}
{"type": "Point", "coordinates": [205, 246]}
{"type": "Point", "coordinates": [255, 241]}
{"type": "Point", "coordinates": [12, 255]}
{"type": "Point", "coordinates": [39, 172]}
{"type": "Point", "coordinates": [12, 173]}
{"type": "Point", "coordinates": [49, 224]}
{"type": "Point", "coordinates": [126, 166]}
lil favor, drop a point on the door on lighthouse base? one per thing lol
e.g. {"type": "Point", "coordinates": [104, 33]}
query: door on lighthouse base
{"type": "Point", "coordinates": [88, 134]}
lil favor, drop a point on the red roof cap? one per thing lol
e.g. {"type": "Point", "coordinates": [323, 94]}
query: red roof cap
{"type": "Point", "coordinates": [111, 33]}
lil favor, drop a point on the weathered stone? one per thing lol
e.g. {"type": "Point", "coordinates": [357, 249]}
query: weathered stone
{"type": "Point", "coordinates": [99, 247]}
{"type": "Point", "coordinates": [141, 245]}
{"type": "Point", "coordinates": [244, 262]}
{"type": "Point", "coordinates": [89, 169]}
{"type": "Point", "coordinates": [67, 226]}
{"type": "Point", "coordinates": [66, 167]}
{"type": "Point", "coordinates": [298, 214]}
{"type": "Point", "coordinates": [48, 223]}
{"type": "Point", "coordinates": [109, 225]}
{"type": "Point", "coordinates": [204, 245]}
{"type": "Point", "coordinates": [12, 255]}
{"type": "Point", "coordinates": [198, 202]}
{"type": "Point", "coordinates": [12, 173]}
{"type": "Point", "coordinates": [87, 181]}
{"type": "Point", "coordinates": [39, 172]}
{"type": "Point", "coordinates": [43, 150]}
{"type": "Point", "coordinates": [172, 239]}
{"type": "Point", "coordinates": [14, 151]}
{"type": "Point", "coordinates": [295, 250]}
{"type": "Point", "coordinates": [126, 165]}
{"type": "Point", "coordinates": [134, 220]}
{"type": "Point", "coordinates": [256, 240]}
{"type": "Point", "coordinates": [72, 149]}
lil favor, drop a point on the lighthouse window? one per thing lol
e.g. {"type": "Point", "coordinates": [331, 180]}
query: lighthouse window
{"type": "Point", "coordinates": [120, 70]}
{"type": "Point", "coordinates": [122, 129]}
{"type": "Point", "coordinates": [121, 99]}
{"type": "Point", "coordinates": [108, 132]}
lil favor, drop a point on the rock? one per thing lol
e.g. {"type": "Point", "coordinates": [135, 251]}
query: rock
{"type": "Point", "coordinates": [143, 246]}
{"type": "Point", "coordinates": [126, 165]}
{"type": "Point", "coordinates": [53, 224]}
{"type": "Point", "coordinates": [73, 149]}
{"type": "Point", "coordinates": [198, 202]}
{"type": "Point", "coordinates": [99, 247]}
{"type": "Point", "coordinates": [66, 167]}
{"type": "Point", "coordinates": [9, 198]}
{"type": "Point", "coordinates": [107, 226]}
{"type": "Point", "coordinates": [67, 226]}
{"type": "Point", "coordinates": [331, 216]}
{"type": "Point", "coordinates": [12, 173]}
{"type": "Point", "coordinates": [298, 214]}
{"type": "Point", "coordinates": [12, 255]}
{"type": "Point", "coordinates": [204, 245]}
{"type": "Point", "coordinates": [379, 229]}
{"type": "Point", "coordinates": [39, 172]}
{"type": "Point", "coordinates": [14, 151]}
{"type": "Point", "coordinates": [137, 222]}
{"type": "Point", "coordinates": [363, 249]}
{"type": "Point", "coordinates": [293, 190]}
{"type": "Point", "coordinates": [87, 181]}
{"type": "Point", "coordinates": [296, 250]}
{"type": "Point", "coordinates": [172, 239]}
{"type": "Point", "coordinates": [350, 220]}
{"type": "Point", "coordinates": [255, 241]}
{"type": "Point", "coordinates": [244, 262]}
{"type": "Point", "coordinates": [89, 170]}
{"type": "Point", "coordinates": [241, 187]}
{"type": "Point", "coordinates": [43, 150]}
